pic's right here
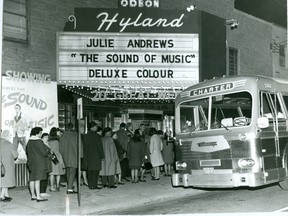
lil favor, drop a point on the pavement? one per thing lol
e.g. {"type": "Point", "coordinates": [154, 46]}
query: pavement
{"type": "Point", "coordinates": [95, 202]}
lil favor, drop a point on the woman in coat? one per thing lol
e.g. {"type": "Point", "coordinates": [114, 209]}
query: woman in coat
{"type": "Point", "coordinates": [58, 169]}
{"type": "Point", "coordinates": [37, 162]}
{"type": "Point", "coordinates": [136, 154]}
{"type": "Point", "coordinates": [121, 154]}
{"type": "Point", "coordinates": [44, 183]}
{"type": "Point", "coordinates": [111, 164]}
{"type": "Point", "coordinates": [155, 148]}
{"type": "Point", "coordinates": [168, 153]}
{"type": "Point", "coordinates": [8, 155]}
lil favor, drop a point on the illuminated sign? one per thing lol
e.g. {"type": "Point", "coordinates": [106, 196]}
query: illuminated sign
{"type": "Point", "coordinates": [124, 47]}
{"type": "Point", "coordinates": [109, 59]}
{"type": "Point", "coordinates": [137, 20]}
{"type": "Point", "coordinates": [140, 3]}
{"type": "Point", "coordinates": [104, 95]}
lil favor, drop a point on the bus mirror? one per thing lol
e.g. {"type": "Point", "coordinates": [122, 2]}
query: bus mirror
{"type": "Point", "coordinates": [263, 122]}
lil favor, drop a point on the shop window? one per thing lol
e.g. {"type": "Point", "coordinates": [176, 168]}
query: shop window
{"type": "Point", "coordinates": [282, 61]}
{"type": "Point", "coordinates": [15, 20]}
{"type": "Point", "coordinates": [233, 61]}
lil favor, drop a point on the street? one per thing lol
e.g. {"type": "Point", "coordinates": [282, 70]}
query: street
{"type": "Point", "coordinates": [150, 198]}
{"type": "Point", "coordinates": [241, 200]}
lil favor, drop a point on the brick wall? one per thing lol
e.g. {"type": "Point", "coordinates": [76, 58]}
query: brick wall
{"type": "Point", "coordinates": [252, 37]}
{"type": "Point", "coordinates": [46, 18]}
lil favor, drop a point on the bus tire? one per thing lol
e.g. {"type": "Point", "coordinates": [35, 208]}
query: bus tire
{"type": "Point", "coordinates": [284, 184]}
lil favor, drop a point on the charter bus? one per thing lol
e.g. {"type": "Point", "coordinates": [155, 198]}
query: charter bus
{"type": "Point", "coordinates": [232, 132]}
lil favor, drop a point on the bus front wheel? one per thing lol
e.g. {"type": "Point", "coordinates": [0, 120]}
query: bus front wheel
{"type": "Point", "coordinates": [284, 184]}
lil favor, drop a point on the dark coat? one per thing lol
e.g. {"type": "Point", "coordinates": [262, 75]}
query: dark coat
{"type": "Point", "coordinates": [37, 154]}
{"type": "Point", "coordinates": [93, 151]}
{"type": "Point", "coordinates": [68, 145]}
{"type": "Point", "coordinates": [136, 153]}
{"type": "Point", "coordinates": [122, 137]}
{"type": "Point", "coordinates": [49, 158]}
{"type": "Point", "coordinates": [119, 149]}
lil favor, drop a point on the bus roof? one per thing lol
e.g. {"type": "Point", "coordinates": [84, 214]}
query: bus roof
{"type": "Point", "coordinates": [218, 85]}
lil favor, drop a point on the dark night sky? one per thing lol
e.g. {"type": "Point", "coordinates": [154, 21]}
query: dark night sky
{"type": "Point", "coordinates": [270, 10]}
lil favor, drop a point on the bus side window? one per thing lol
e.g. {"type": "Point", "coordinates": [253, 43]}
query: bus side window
{"type": "Point", "coordinates": [266, 109]}
{"type": "Point", "coordinates": [270, 106]}
{"type": "Point", "coordinates": [285, 98]}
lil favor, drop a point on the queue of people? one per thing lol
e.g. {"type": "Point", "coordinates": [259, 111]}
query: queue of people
{"type": "Point", "coordinates": [40, 150]}
{"type": "Point", "coordinates": [107, 158]}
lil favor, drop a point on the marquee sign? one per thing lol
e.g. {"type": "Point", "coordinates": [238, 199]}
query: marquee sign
{"type": "Point", "coordinates": [110, 59]}
{"type": "Point", "coordinates": [129, 48]}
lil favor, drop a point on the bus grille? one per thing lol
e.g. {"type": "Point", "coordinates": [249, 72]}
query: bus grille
{"type": "Point", "coordinates": [187, 154]}
{"type": "Point", "coordinates": [197, 160]}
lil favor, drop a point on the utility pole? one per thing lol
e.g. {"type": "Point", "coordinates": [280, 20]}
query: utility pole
{"type": "Point", "coordinates": [1, 36]}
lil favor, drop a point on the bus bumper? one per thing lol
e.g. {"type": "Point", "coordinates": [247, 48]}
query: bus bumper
{"type": "Point", "coordinates": [220, 180]}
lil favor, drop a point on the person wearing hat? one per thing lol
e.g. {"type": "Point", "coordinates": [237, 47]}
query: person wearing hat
{"type": "Point", "coordinates": [111, 164]}
{"type": "Point", "coordinates": [93, 154]}
{"type": "Point", "coordinates": [123, 138]}
{"type": "Point", "coordinates": [69, 149]}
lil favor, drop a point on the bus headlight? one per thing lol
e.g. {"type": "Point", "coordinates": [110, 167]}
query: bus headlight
{"type": "Point", "coordinates": [181, 165]}
{"type": "Point", "coordinates": [246, 163]}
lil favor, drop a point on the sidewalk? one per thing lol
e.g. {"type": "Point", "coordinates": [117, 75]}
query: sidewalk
{"type": "Point", "coordinates": [94, 201]}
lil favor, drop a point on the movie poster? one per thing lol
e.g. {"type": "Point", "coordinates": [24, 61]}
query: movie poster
{"type": "Point", "coordinates": [28, 100]}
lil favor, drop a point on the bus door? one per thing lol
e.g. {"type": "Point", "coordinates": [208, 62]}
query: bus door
{"type": "Point", "coordinates": [271, 137]}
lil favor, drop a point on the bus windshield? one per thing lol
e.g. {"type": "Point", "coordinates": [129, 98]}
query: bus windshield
{"type": "Point", "coordinates": [216, 112]}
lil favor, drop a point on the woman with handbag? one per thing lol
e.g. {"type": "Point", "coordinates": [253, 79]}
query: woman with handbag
{"type": "Point", "coordinates": [37, 163]}
{"type": "Point", "coordinates": [136, 154]}
{"type": "Point", "coordinates": [58, 169]}
{"type": "Point", "coordinates": [8, 156]}
{"type": "Point", "coordinates": [44, 182]}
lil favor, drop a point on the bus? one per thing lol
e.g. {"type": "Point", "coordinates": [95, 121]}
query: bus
{"type": "Point", "coordinates": [232, 132]}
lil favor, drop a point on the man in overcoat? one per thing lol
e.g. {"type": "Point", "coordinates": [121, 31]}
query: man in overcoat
{"type": "Point", "coordinates": [122, 137]}
{"type": "Point", "coordinates": [94, 154]}
{"type": "Point", "coordinates": [69, 149]}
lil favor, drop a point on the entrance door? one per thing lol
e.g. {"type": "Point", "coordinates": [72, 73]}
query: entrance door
{"type": "Point", "coordinates": [272, 137]}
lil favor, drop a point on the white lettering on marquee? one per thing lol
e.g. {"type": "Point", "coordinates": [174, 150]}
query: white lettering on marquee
{"type": "Point", "coordinates": [138, 22]}
{"type": "Point", "coordinates": [123, 59]}
{"type": "Point", "coordinates": [103, 95]}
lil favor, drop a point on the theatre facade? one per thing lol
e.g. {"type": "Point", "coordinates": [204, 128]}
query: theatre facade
{"type": "Point", "coordinates": [127, 59]}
